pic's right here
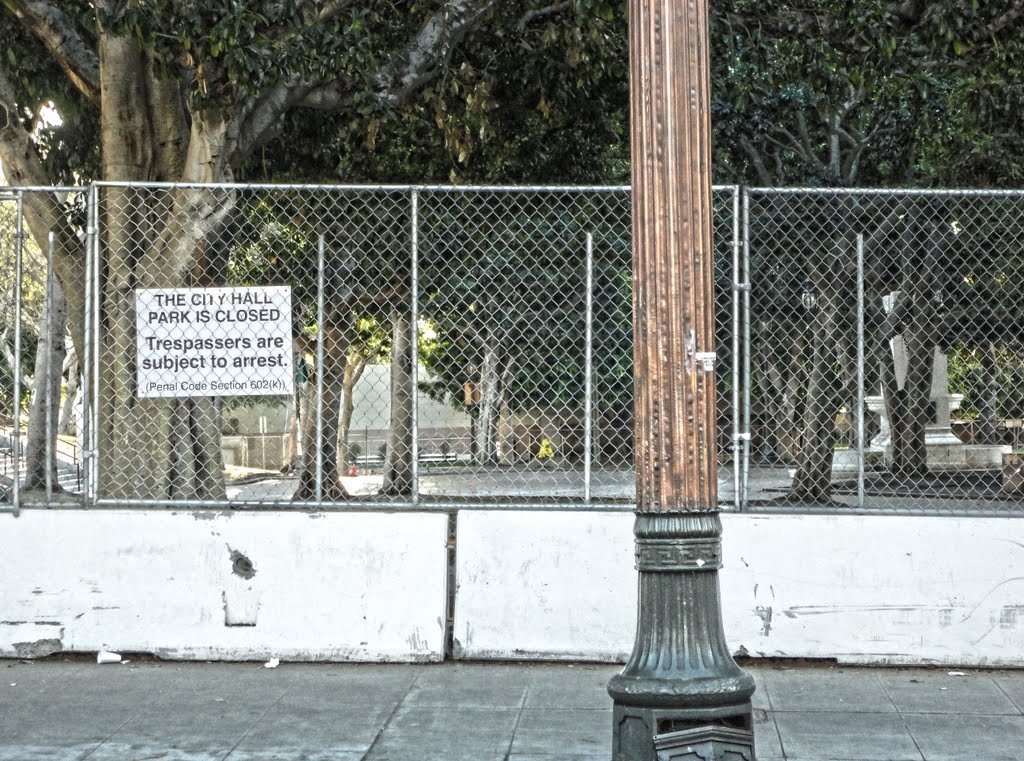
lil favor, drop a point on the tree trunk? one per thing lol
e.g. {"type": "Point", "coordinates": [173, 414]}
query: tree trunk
{"type": "Point", "coordinates": [812, 483]}
{"type": "Point", "coordinates": [398, 465]}
{"type": "Point", "coordinates": [67, 412]}
{"type": "Point", "coordinates": [915, 317]}
{"type": "Point", "coordinates": [44, 411]}
{"type": "Point", "coordinates": [781, 387]}
{"type": "Point", "coordinates": [157, 449]}
{"type": "Point", "coordinates": [291, 458]}
{"type": "Point", "coordinates": [490, 391]}
{"type": "Point", "coordinates": [153, 448]}
{"type": "Point", "coordinates": [323, 433]}
{"type": "Point", "coordinates": [505, 452]}
{"type": "Point", "coordinates": [353, 372]}
{"type": "Point", "coordinates": [910, 410]}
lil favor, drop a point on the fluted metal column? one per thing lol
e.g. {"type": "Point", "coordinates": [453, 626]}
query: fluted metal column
{"type": "Point", "coordinates": [681, 677]}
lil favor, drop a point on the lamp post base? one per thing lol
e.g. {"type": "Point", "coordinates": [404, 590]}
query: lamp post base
{"type": "Point", "coordinates": [681, 675]}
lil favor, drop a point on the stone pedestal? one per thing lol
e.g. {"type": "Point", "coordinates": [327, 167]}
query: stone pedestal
{"type": "Point", "coordinates": [1013, 473]}
{"type": "Point", "coordinates": [710, 743]}
{"type": "Point", "coordinates": [844, 462]}
{"type": "Point", "coordinates": [945, 450]}
{"type": "Point", "coordinates": [986, 456]}
{"type": "Point", "coordinates": [882, 442]}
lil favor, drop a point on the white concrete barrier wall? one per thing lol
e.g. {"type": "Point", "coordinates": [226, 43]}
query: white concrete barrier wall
{"type": "Point", "coordinates": [371, 587]}
{"type": "Point", "coordinates": [333, 586]}
{"type": "Point", "coordinates": [862, 589]}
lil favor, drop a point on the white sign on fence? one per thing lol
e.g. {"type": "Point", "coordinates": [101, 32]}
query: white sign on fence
{"type": "Point", "coordinates": [214, 341]}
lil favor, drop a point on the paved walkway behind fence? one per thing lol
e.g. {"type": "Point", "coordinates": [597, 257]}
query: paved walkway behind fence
{"type": "Point", "coordinates": [148, 711]}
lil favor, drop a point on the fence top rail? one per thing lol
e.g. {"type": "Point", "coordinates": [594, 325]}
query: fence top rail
{"type": "Point", "coordinates": [371, 187]}
{"type": "Point", "coordinates": [896, 192]}
{"type": "Point", "coordinates": [11, 191]}
{"type": "Point", "coordinates": [14, 190]}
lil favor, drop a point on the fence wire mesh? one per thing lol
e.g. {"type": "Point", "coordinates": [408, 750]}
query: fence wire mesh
{"type": "Point", "coordinates": [459, 347]}
{"type": "Point", "coordinates": [901, 310]}
{"type": "Point", "coordinates": [41, 237]}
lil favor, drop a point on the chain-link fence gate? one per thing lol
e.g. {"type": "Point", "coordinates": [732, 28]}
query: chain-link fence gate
{"type": "Point", "coordinates": [40, 421]}
{"type": "Point", "coordinates": [450, 346]}
{"type": "Point", "coordinates": [453, 347]}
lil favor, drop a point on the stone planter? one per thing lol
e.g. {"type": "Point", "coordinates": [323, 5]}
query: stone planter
{"type": "Point", "coordinates": [1013, 473]}
{"type": "Point", "coordinates": [844, 462]}
{"type": "Point", "coordinates": [986, 456]}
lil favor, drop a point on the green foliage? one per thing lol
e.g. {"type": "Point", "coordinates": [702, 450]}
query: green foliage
{"type": "Point", "coordinates": [544, 99]}
{"type": "Point", "coordinates": [936, 92]}
{"type": "Point", "coordinates": [238, 47]}
{"type": "Point", "coordinates": [541, 104]}
{"type": "Point", "coordinates": [70, 151]}
{"type": "Point", "coordinates": [966, 376]}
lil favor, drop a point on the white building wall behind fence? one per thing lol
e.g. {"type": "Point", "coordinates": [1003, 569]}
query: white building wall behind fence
{"type": "Point", "coordinates": [356, 586]}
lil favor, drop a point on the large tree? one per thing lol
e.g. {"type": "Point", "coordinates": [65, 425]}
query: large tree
{"type": "Point", "coordinates": [825, 93]}
{"type": "Point", "coordinates": [819, 92]}
{"type": "Point", "coordinates": [191, 92]}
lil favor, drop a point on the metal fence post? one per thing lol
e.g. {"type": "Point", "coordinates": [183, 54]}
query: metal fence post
{"type": "Point", "coordinates": [745, 486]}
{"type": "Point", "coordinates": [85, 363]}
{"type": "Point", "coordinates": [414, 345]}
{"type": "Point", "coordinates": [50, 437]}
{"type": "Point", "coordinates": [738, 286]}
{"type": "Point", "coordinates": [319, 481]}
{"type": "Point", "coordinates": [860, 371]}
{"type": "Point", "coordinates": [97, 419]}
{"type": "Point", "coordinates": [19, 238]}
{"type": "Point", "coordinates": [588, 374]}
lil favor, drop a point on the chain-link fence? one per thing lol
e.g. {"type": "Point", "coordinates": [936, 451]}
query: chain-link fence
{"type": "Point", "coordinates": [436, 347]}
{"type": "Point", "coordinates": [449, 346]}
{"type": "Point", "coordinates": [42, 240]}
{"type": "Point", "coordinates": [886, 349]}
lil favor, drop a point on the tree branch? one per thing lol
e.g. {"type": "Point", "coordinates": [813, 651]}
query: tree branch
{"type": "Point", "coordinates": [859, 144]}
{"type": "Point", "coordinates": [414, 66]}
{"type": "Point", "coordinates": [755, 158]}
{"type": "Point", "coordinates": [262, 121]}
{"type": "Point", "coordinates": [532, 15]}
{"type": "Point", "coordinates": [430, 50]}
{"type": "Point", "coordinates": [8, 353]}
{"type": "Point", "coordinates": [887, 225]}
{"type": "Point", "coordinates": [1010, 17]}
{"type": "Point", "coordinates": [17, 151]}
{"type": "Point", "coordinates": [58, 33]}
{"type": "Point", "coordinates": [805, 138]}
{"type": "Point", "coordinates": [43, 211]}
{"type": "Point", "coordinates": [331, 9]}
{"type": "Point", "coordinates": [418, 63]}
{"type": "Point", "coordinates": [781, 22]}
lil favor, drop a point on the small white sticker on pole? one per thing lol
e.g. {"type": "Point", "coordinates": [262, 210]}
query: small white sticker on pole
{"type": "Point", "coordinates": [214, 342]}
{"type": "Point", "coordinates": [707, 358]}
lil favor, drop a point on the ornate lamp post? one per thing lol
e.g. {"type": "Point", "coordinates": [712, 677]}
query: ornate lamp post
{"type": "Point", "coordinates": [680, 688]}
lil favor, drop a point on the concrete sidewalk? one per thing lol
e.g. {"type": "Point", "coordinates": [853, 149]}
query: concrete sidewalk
{"type": "Point", "coordinates": [61, 710]}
